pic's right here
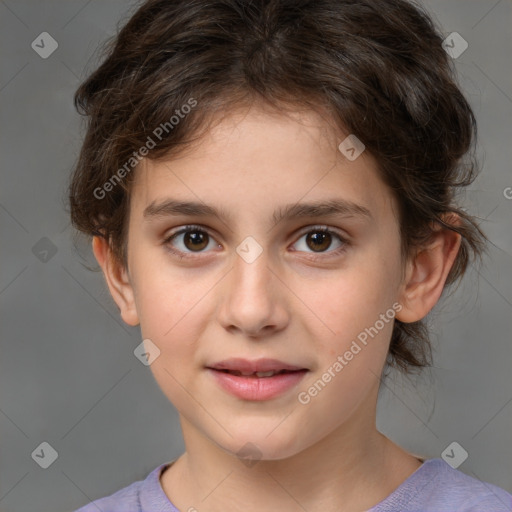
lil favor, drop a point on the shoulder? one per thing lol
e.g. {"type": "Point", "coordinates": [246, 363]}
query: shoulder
{"type": "Point", "coordinates": [124, 500]}
{"type": "Point", "coordinates": [128, 499]}
{"type": "Point", "coordinates": [436, 486]}
{"type": "Point", "coordinates": [467, 492]}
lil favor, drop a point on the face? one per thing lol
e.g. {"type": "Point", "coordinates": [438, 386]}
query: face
{"type": "Point", "coordinates": [254, 283]}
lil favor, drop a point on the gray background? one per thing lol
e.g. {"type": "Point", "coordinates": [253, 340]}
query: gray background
{"type": "Point", "coordinates": [68, 375]}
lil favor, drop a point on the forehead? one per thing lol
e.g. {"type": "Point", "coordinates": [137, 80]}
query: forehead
{"type": "Point", "coordinates": [254, 158]}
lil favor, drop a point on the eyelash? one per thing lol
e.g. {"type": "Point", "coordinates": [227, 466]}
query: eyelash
{"type": "Point", "coordinates": [311, 229]}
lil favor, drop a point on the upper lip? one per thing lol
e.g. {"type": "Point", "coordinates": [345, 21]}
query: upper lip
{"type": "Point", "coordinates": [257, 365]}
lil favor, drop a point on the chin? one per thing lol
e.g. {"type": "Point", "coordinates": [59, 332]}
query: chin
{"type": "Point", "coordinates": [258, 445]}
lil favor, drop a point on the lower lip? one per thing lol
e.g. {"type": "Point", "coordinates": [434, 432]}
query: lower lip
{"type": "Point", "coordinates": [257, 388]}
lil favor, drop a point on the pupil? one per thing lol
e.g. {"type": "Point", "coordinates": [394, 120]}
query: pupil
{"type": "Point", "coordinates": [319, 238]}
{"type": "Point", "coordinates": [197, 240]}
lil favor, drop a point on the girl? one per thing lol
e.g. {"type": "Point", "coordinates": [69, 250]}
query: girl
{"type": "Point", "coordinates": [269, 185]}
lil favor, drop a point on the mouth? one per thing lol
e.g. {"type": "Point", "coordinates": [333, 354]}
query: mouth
{"type": "Point", "coordinates": [258, 367]}
{"type": "Point", "coordinates": [256, 380]}
{"type": "Point", "coordinates": [270, 373]}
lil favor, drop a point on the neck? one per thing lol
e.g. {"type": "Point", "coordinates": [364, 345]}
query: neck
{"type": "Point", "coordinates": [353, 468]}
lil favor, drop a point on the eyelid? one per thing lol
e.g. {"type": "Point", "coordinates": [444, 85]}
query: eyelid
{"type": "Point", "coordinates": [324, 227]}
{"type": "Point", "coordinates": [185, 228]}
{"type": "Point", "coordinates": [302, 231]}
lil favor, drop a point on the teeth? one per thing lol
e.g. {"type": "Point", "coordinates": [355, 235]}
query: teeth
{"type": "Point", "coordinates": [252, 374]}
{"type": "Point", "coordinates": [266, 374]}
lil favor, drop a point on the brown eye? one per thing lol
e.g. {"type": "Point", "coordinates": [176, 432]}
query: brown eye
{"type": "Point", "coordinates": [318, 240]}
{"type": "Point", "coordinates": [189, 240]}
{"type": "Point", "coordinates": [195, 240]}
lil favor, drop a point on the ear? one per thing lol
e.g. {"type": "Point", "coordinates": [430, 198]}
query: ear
{"type": "Point", "coordinates": [427, 272]}
{"type": "Point", "coordinates": [118, 280]}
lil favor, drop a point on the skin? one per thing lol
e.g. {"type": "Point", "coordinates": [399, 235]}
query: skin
{"type": "Point", "coordinates": [212, 305]}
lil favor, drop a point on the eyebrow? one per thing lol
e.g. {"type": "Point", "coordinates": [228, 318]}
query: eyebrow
{"type": "Point", "coordinates": [331, 207]}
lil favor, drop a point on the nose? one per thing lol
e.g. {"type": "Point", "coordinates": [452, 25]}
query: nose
{"type": "Point", "coordinates": [254, 299]}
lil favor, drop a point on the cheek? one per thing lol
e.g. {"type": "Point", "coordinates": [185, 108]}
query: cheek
{"type": "Point", "coordinates": [172, 312]}
{"type": "Point", "coordinates": [351, 342]}
{"type": "Point", "coordinates": [348, 306]}
{"type": "Point", "coordinates": [168, 298]}
{"type": "Point", "coordinates": [174, 305]}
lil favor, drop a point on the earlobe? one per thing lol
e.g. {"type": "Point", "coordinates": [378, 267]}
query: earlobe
{"type": "Point", "coordinates": [117, 279]}
{"type": "Point", "coordinates": [426, 275]}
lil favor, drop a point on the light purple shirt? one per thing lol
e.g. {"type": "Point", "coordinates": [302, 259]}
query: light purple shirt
{"type": "Point", "coordinates": [434, 487]}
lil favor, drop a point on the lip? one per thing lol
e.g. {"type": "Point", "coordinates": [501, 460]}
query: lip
{"type": "Point", "coordinates": [253, 387]}
{"type": "Point", "coordinates": [257, 365]}
{"type": "Point", "coordinates": [257, 388]}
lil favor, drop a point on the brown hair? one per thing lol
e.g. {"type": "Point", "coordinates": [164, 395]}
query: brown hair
{"type": "Point", "coordinates": [378, 68]}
